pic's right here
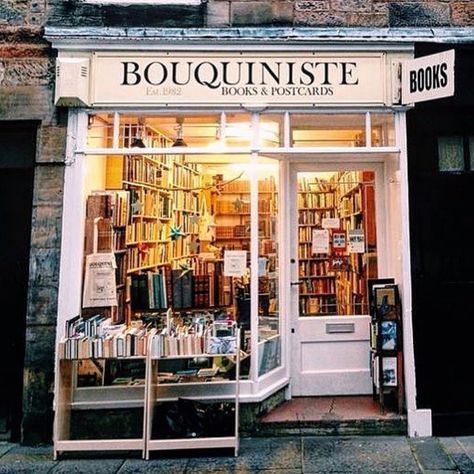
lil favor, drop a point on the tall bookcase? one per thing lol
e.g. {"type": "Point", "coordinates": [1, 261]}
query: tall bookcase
{"type": "Point", "coordinates": [316, 201]}
{"type": "Point", "coordinates": [355, 198]}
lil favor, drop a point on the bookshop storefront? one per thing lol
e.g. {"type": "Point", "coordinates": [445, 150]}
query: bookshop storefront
{"type": "Point", "coordinates": [225, 214]}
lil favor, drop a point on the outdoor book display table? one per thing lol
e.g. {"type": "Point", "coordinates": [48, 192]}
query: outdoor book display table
{"type": "Point", "coordinates": [179, 408]}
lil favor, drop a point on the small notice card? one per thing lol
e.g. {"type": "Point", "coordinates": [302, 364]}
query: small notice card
{"type": "Point", "coordinates": [320, 242]}
{"type": "Point", "coordinates": [235, 263]}
{"type": "Point", "coordinates": [356, 241]}
{"type": "Point", "coordinates": [331, 223]}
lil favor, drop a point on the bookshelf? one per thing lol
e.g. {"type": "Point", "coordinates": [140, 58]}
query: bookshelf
{"type": "Point", "coordinates": [355, 198]}
{"type": "Point", "coordinates": [232, 211]}
{"type": "Point", "coordinates": [315, 201]}
{"type": "Point", "coordinates": [201, 420]}
{"type": "Point", "coordinates": [204, 342]}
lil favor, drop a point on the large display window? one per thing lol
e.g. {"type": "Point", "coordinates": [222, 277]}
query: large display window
{"type": "Point", "coordinates": [176, 199]}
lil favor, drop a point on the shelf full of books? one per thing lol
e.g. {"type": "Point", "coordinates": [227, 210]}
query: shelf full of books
{"type": "Point", "coordinates": [317, 290]}
{"type": "Point", "coordinates": [185, 351]}
{"type": "Point", "coordinates": [336, 213]}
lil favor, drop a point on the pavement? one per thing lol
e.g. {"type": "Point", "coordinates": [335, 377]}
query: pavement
{"type": "Point", "coordinates": [281, 455]}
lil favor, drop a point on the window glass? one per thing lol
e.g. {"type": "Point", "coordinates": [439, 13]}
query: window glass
{"type": "Point", "coordinates": [271, 130]}
{"type": "Point", "coordinates": [451, 153]}
{"type": "Point", "coordinates": [383, 129]}
{"type": "Point", "coordinates": [99, 130]}
{"type": "Point", "coordinates": [337, 243]}
{"type": "Point", "coordinates": [327, 130]}
{"type": "Point", "coordinates": [269, 340]}
{"type": "Point", "coordinates": [170, 221]}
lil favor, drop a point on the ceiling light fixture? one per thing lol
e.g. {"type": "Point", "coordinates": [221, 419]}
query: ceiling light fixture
{"type": "Point", "coordinates": [179, 141]}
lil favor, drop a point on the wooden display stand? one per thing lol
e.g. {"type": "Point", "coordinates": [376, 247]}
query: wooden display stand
{"type": "Point", "coordinates": [152, 394]}
{"type": "Point", "coordinates": [386, 344]}
{"type": "Point", "coordinates": [155, 395]}
{"type": "Point", "coordinates": [64, 404]}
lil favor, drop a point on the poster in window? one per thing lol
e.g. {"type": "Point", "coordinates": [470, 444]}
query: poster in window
{"type": "Point", "coordinates": [389, 376]}
{"type": "Point", "coordinates": [320, 241]}
{"type": "Point", "coordinates": [339, 242]}
{"type": "Point", "coordinates": [356, 241]}
{"type": "Point", "coordinates": [331, 223]}
{"type": "Point", "coordinates": [99, 281]}
{"type": "Point", "coordinates": [235, 263]}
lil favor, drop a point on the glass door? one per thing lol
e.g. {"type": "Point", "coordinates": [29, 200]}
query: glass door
{"type": "Point", "coordinates": [334, 254]}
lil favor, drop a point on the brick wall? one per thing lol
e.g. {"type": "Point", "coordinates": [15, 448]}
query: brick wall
{"type": "Point", "coordinates": [26, 93]}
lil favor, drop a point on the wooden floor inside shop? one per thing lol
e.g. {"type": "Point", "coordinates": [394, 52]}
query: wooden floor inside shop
{"type": "Point", "coordinates": [333, 415]}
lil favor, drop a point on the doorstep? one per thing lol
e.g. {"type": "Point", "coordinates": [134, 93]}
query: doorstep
{"type": "Point", "coordinates": [331, 416]}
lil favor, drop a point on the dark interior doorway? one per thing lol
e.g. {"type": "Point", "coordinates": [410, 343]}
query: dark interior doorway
{"type": "Point", "coordinates": [442, 219]}
{"type": "Point", "coordinates": [17, 156]}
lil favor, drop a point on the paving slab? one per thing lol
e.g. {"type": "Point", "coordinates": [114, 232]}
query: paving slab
{"type": "Point", "coordinates": [88, 466]}
{"type": "Point", "coordinates": [169, 466]}
{"type": "Point", "coordinates": [26, 460]}
{"type": "Point", "coordinates": [431, 454]}
{"type": "Point", "coordinates": [467, 442]}
{"type": "Point", "coordinates": [277, 454]}
{"type": "Point", "coordinates": [367, 455]}
{"type": "Point", "coordinates": [5, 447]}
{"type": "Point", "coordinates": [464, 463]}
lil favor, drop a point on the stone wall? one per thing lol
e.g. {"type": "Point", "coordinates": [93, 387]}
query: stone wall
{"type": "Point", "coordinates": [234, 13]}
{"type": "Point", "coordinates": [340, 13]}
{"type": "Point", "coordinates": [26, 93]}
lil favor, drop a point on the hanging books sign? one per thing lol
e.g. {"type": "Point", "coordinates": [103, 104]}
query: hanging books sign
{"type": "Point", "coordinates": [235, 263]}
{"type": "Point", "coordinates": [99, 281]}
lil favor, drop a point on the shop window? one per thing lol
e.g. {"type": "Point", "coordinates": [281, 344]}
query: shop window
{"type": "Point", "coordinates": [173, 222]}
{"type": "Point", "coordinates": [337, 243]}
{"type": "Point", "coordinates": [451, 154]}
{"type": "Point", "coordinates": [327, 130]}
{"type": "Point", "coordinates": [271, 130]}
{"type": "Point", "coordinates": [100, 130]}
{"type": "Point", "coordinates": [383, 129]}
{"type": "Point", "coordinates": [269, 324]}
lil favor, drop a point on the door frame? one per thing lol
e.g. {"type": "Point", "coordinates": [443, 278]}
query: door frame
{"type": "Point", "coordinates": [321, 163]}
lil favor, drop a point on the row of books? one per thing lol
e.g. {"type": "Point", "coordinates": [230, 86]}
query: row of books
{"type": "Point", "coordinates": [172, 287]}
{"type": "Point", "coordinates": [95, 326]}
{"type": "Point", "coordinates": [106, 341]}
{"type": "Point", "coordinates": [318, 305]}
{"type": "Point", "coordinates": [148, 171]}
{"type": "Point", "coordinates": [313, 216]}
{"type": "Point", "coordinates": [96, 337]}
{"type": "Point", "coordinates": [109, 204]}
{"type": "Point", "coordinates": [317, 285]}
{"type": "Point", "coordinates": [315, 200]}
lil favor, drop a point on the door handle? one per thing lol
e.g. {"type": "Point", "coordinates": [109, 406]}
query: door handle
{"type": "Point", "coordinates": [294, 283]}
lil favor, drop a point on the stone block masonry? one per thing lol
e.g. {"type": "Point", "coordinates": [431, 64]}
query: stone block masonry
{"type": "Point", "coordinates": [340, 13]}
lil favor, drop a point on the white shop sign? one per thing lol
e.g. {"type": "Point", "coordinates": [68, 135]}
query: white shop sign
{"type": "Point", "coordinates": [303, 78]}
{"type": "Point", "coordinates": [427, 78]}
